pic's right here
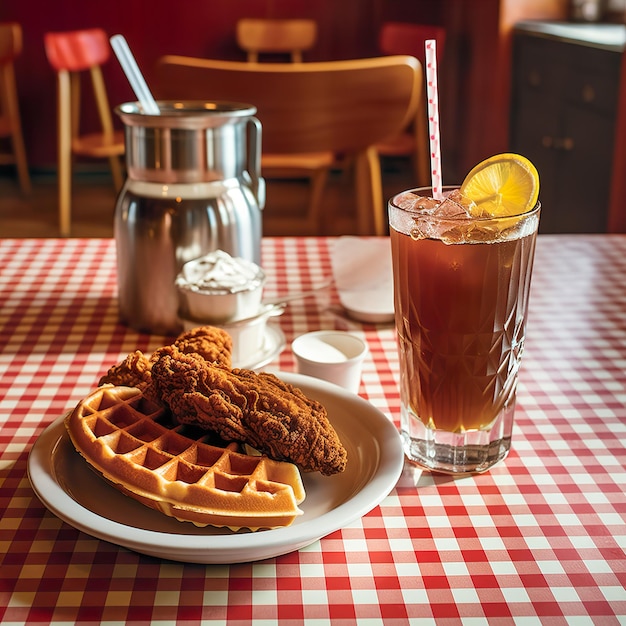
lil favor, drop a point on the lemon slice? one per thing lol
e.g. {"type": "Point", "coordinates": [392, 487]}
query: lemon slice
{"type": "Point", "coordinates": [503, 185]}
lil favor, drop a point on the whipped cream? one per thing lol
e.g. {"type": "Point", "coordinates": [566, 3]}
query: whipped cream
{"type": "Point", "coordinates": [218, 272]}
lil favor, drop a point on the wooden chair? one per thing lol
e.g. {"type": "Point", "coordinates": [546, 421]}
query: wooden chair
{"type": "Point", "coordinates": [71, 54]}
{"type": "Point", "coordinates": [289, 38]}
{"type": "Point", "coordinates": [334, 107]}
{"type": "Point", "coordinates": [267, 36]}
{"type": "Point", "coordinates": [405, 38]}
{"type": "Point", "coordinates": [10, 124]}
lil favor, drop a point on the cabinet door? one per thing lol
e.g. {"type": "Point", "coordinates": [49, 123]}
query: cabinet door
{"type": "Point", "coordinates": [584, 170]}
{"type": "Point", "coordinates": [536, 115]}
{"type": "Point", "coordinates": [533, 134]}
{"type": "Point", "coordinates": [563, 117]}
{"type": "Point", "coordinates": [586, 151]}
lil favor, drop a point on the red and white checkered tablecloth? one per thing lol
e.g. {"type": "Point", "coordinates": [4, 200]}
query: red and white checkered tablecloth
{"type": "Point", "coordinates": [539, 539]}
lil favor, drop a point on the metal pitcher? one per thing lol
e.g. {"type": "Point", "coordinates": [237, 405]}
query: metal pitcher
{"type": "Point", "coordinates": [193, 186]}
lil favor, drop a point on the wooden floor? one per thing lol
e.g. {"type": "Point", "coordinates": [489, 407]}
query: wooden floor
{"type": "Point", "coordinates": [93, 203]}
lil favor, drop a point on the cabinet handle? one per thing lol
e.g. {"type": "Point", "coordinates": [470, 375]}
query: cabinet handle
{"type": "Point", "coordinates": [588, 93]}
{"type": "Point", "coordinates": [534, 78]}
{"type": "Point", "coordinates": [557, 143]}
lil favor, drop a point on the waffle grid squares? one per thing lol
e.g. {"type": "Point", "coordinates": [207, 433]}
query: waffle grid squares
{"type": "Point", "coordinates": [131, 442]}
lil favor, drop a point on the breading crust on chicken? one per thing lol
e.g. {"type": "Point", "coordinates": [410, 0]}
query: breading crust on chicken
{"type": "Point", "coordinates": [212, 344]}
{"type": "Point", "coordinates": [274, 417]}
{"type": "Point", "coordinates": [133, 371]}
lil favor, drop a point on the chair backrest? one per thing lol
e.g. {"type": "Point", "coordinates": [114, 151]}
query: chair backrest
{"type": "Point", "coordinates": [292, 36]}
{"type": "Point", "coordinates": [10, 41]}
{"type": "Point", "coordinates": [405, 38]}
{"type": "Point", "coordinates": [338, 106]}
{"type": "Point", "coordinates": [78, 50]}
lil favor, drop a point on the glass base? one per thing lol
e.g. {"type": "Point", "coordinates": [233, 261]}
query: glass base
{"type": "Point", "coordinates": [457, 453]}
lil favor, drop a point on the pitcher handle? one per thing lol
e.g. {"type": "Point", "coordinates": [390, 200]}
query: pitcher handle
{"type": "Point", "coordinates": [254, 161]}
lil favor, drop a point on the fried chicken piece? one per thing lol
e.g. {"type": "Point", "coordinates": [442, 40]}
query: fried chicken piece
{"type": "Point", "coordinates": [213, 344]}
{"type": "Point", "coordinates": [133, 371]}
{"type": "Point", "coordinates": [210, 343]}
{"type": "Point", "coordinates": [274, 417]}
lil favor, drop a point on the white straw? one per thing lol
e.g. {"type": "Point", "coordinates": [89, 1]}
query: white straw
{"type": "Point", "coordinates": [134, 75]}
{"type": "Point", "coordinates": [433, 118]}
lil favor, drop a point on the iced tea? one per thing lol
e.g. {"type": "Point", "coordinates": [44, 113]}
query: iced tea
{"type": "Point", "coordinates": [461, 295]}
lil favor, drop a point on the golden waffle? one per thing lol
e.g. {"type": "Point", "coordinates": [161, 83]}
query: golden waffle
{"type": "Point", "coordinates": [131, 442]}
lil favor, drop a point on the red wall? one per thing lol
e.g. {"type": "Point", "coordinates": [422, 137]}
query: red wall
{"type": "Point", "coordinates": [153, 28]}
{"type": "Point", "coordinates": [473, 76]}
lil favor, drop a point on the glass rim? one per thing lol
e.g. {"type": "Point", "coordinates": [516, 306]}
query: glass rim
{"type": "Point", "coordinates": [449, 188]}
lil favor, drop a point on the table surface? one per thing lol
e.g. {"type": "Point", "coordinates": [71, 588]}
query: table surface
{"type": "Point", "coordinates": [539, 538]}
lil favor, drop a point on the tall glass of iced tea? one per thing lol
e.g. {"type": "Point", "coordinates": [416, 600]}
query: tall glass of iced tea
{"type": "Point", "coordinates": [461, 285]}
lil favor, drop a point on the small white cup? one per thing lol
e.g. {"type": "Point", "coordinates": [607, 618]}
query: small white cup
{"type": "Point", "coordinates": [331, 355]}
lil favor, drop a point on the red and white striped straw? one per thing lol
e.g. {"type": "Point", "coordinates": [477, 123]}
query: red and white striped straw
{"type": "Point", "coordinates": [433, 118]}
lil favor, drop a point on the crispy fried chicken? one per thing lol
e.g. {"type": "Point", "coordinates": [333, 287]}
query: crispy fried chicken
{"type": "Point", "coordinates": [210, 343]}
{"type": "Point", "coordinates": [274, 417]}
{"type": "Point", "coordinates": [133, 371]}
{"type": "Point", "coordinates": [213, 344]}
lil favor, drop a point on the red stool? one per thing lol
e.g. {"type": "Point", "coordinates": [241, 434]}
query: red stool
{"type": "Point", "coordinates": [405, 38]}
{"type": "Point", "coordinates": [71, 54]}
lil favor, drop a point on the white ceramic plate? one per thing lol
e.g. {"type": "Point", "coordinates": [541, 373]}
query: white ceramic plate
{"type": "Point", "coordinates": [69, 489]}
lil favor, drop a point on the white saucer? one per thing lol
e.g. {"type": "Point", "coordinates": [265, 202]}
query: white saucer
{"type": "Point", "coordinates": [68, 488]}
{"type": "Point", "coordinates": [273, 344]}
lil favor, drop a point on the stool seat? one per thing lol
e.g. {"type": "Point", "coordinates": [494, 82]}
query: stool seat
{"type": "Point", "coordinates": [98, 146]}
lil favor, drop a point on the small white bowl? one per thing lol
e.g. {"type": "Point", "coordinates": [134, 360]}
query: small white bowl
{"type": "Point", "coordinates": [218, 288]}
{"type": "Point", "coordinates": [216, 307]}
{"type": "Point", "coordinates": [331, 355]}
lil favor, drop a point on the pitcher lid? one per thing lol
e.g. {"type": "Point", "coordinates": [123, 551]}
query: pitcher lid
{"type": "Point", "coordinates": [185, 113]}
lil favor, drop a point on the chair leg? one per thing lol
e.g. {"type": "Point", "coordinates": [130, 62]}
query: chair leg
{"type": "Point", "coordinates": [104, 113]}
{"type": "Point", "coordinates": [116, 171]}
{"type": "Point", "coordinates": [421, 157]}
{"type": "Point", "coordinates": [369, 193]}
{"type": "Point", "coordinates": [10, 103]}
{"type": "Point", "coordinates": [20, 160]}
{"type": "Point", "coordinates": [65, 155]}
{"type": "Point", "coordinates": [314, 218]}
{"type": "Point", "coordinates": [10, 92]}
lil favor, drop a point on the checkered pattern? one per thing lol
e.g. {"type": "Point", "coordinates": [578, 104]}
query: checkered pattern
{"type": "Point", "coordinates": [539, 538]}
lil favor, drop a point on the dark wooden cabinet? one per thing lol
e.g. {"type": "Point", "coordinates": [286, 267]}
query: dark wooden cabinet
{"type": "Point", "coordinates": [564, 111]}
